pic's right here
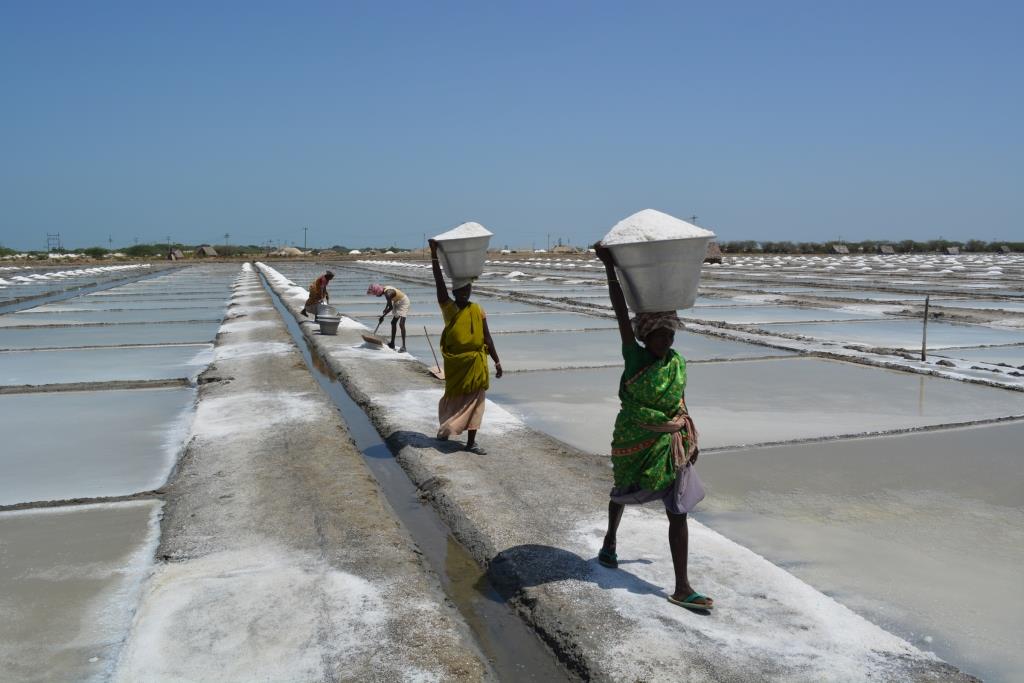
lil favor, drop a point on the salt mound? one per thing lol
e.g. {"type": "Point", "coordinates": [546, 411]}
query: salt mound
{"type": "Point", "coordinates": [469, 229]}
{"type": "Point", "coordinates": [650, 225]}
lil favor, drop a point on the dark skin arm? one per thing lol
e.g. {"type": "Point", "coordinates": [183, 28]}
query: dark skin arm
{"type": "Point", "coordinates": [388, 306]}
{"type": "Point", "coordinates": [615, 293]}
{"type": "Point", "coordinates": [435, 265]}
{"type": "Point", "coordinates": [491, 350]}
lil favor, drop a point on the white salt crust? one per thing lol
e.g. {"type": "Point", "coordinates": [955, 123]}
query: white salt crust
{"type": "Point", "coordinates": [650, 225]}
{"type": "Point", "coordinates": [463, 231]}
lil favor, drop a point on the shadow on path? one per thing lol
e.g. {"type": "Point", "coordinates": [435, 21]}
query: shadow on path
{"type": "Point", "coordinates": [530, 565]}
{"type": "Point", "coordinates": [404, 437]}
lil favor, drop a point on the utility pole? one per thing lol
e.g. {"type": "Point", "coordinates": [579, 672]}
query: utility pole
{"type": "Point", "coordinates": [924, 330]}
{"type": "Point", "coordinates": [304, 232]}
{"type": "Point", "coordinates": [110, 242]}
{"type": "Point", "coordinates": [226, 236]}
{"type": "Point", "coordinates": [693, 219]}
{"type": "Point", "coordinates": [549, 242]}
{"type": "Point", "coordinates": [168, 245]}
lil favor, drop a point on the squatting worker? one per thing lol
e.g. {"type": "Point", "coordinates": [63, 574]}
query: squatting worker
{"type": "Point", "coordinates": [398, 305]}
{"type": "Point", "coordinates": [654, 436]}
{"type": "Point", "coordinates": [465, 345]}
{"type": "Point", "coordinates": [318, 293]}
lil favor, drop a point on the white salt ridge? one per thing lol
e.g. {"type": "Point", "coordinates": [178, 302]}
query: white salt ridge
{"type": "Point", "coordinates": [234, 326]}
{"type": "Point", "coordinates": [271, 617]}
{"type": "Point", "coordinates": [463, 231]}
{"type": "Point", "coordinates": [650, 225]}
{"type": "Point", "coordinates": [242, 310]}
{"type": "Point", "coordinates": [251, 349]}
{"type": "Point", "coordinates": [763, 614]}
{"type": "Point", "coordinates": [370, 352]}
{"type": "Point", "coordinates": [220, 417]}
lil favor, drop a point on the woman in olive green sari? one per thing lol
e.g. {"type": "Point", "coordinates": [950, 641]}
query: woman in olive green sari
{"type": "Point", "coordinates": [654, 438]}
{"type": "Point", "coordinates": [465, 344]}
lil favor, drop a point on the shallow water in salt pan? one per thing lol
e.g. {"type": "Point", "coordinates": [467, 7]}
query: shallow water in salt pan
{"type": "Point", "coordinates": [69, 580]}
{"type": "Point", "coordinates": [765, 314]}
{"type": "Point", "coordinates": [758, 401]}
{"type": "Point", "coordinates": [102, 365]}
{"type": "Point", "coordinates": [106, 316]}
{"type": "Point", "coordinates": [1011, 355]}
{"type": "Point", "coordinates": [107, 335]}
{"type": "Point", "coordinates": [89, 444]}
{"type": "Point", "coordinates": [922, 533]}
{"type": "Point", "coordinates": [902, 334]}
{"type": "Point", "coordinates": [132, 303]}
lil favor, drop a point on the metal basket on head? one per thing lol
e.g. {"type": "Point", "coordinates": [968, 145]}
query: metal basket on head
{"type": "Point", "coordinates": [463, 250]}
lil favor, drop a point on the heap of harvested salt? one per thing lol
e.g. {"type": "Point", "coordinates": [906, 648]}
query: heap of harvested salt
{"type": "Point", "coordinates": [469, 229]}
{"type": "Point", "coordinates": [650, 225]}
{"type": "Point", "coordinates": [658, 259]}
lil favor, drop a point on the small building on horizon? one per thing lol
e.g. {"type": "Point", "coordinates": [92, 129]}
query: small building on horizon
{"type": "Point", "coordinates": [953, 251]}
{"type": "Point", "coordinates": [886, 249]}
{"type": "Point", "coordinates": [206, 250]}
{"type": "Point", "coordinates": [840, 249]}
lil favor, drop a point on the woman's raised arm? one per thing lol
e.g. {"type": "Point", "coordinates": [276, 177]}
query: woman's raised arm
{"type": "Point", "coordinates": [615, 294]}
{"type": "Point", "coordinates": [435, 265]}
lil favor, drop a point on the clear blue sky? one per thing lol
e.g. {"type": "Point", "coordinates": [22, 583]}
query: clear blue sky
{"type": "Point", "coordinates": [376, 122]}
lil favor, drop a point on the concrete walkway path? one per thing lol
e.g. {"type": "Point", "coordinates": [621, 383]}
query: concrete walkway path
{"type": "Point", "coordinates": [279, 559]}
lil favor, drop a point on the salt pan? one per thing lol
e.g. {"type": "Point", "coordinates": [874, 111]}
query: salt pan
{"type": "Point", "coordinates": [470, 229]}
{"type": "Point", "coordinates": [650, 225]}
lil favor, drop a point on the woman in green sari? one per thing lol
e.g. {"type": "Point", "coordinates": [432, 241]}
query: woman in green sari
{"type": "Point", "coordinates": [465, 344]}
{"type": "Point", "coordinates": [654, 438]}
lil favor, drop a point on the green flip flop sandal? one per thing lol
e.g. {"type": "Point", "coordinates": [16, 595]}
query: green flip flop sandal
{"type": "Point", "coordinates": [689, 603]}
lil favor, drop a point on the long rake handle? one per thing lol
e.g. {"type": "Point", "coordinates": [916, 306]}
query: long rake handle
{"type": "Point", "coordinates": [431, 347]}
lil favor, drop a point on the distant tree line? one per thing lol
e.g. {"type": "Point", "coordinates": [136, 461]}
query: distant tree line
{"type": "Point", "coordinates": [866, 246]}
{"type": "Point", "coordinates": [161, 249]}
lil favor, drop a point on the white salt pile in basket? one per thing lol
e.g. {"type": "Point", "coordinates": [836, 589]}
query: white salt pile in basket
{"type": "Point", "coordinates": [470, 229]}
{"type": "Point", "coordinates": [650, 225]}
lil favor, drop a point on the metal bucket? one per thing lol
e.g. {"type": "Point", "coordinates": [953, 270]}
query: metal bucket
{"type": "Point", "coordinates": [661, 275]}
{"type": "Point", "coordinates": [463, 257]}
{"type": "Point", "coordinates": [327, 310]}
{"type": "Point", "coordinates": [329, 324]}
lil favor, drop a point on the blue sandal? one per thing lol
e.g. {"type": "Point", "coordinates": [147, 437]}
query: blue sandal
{"type": "Point", "coordinates": [689, 603]}
{"type": "Point", "coordinates": [608, 558]}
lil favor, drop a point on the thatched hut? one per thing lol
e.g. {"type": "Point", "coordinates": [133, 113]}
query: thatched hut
{"type": "Point", "coordinates": [886, 249]}
{"type": "Point", "coordinates": [953, 251]}
{"type": "Point", "coordinates": [840, 249]}
{"type": "Point", "coordinates": [175, 255]}
{"type": "Point", "coordinates": [206, 250]}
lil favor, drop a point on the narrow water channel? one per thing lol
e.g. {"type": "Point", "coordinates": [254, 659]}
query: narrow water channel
{"type": "Point", "coordinates": [514, 652]}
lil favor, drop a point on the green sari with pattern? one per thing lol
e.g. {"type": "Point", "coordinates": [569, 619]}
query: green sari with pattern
{"type": "Point", "coordinates": [651, 392]}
